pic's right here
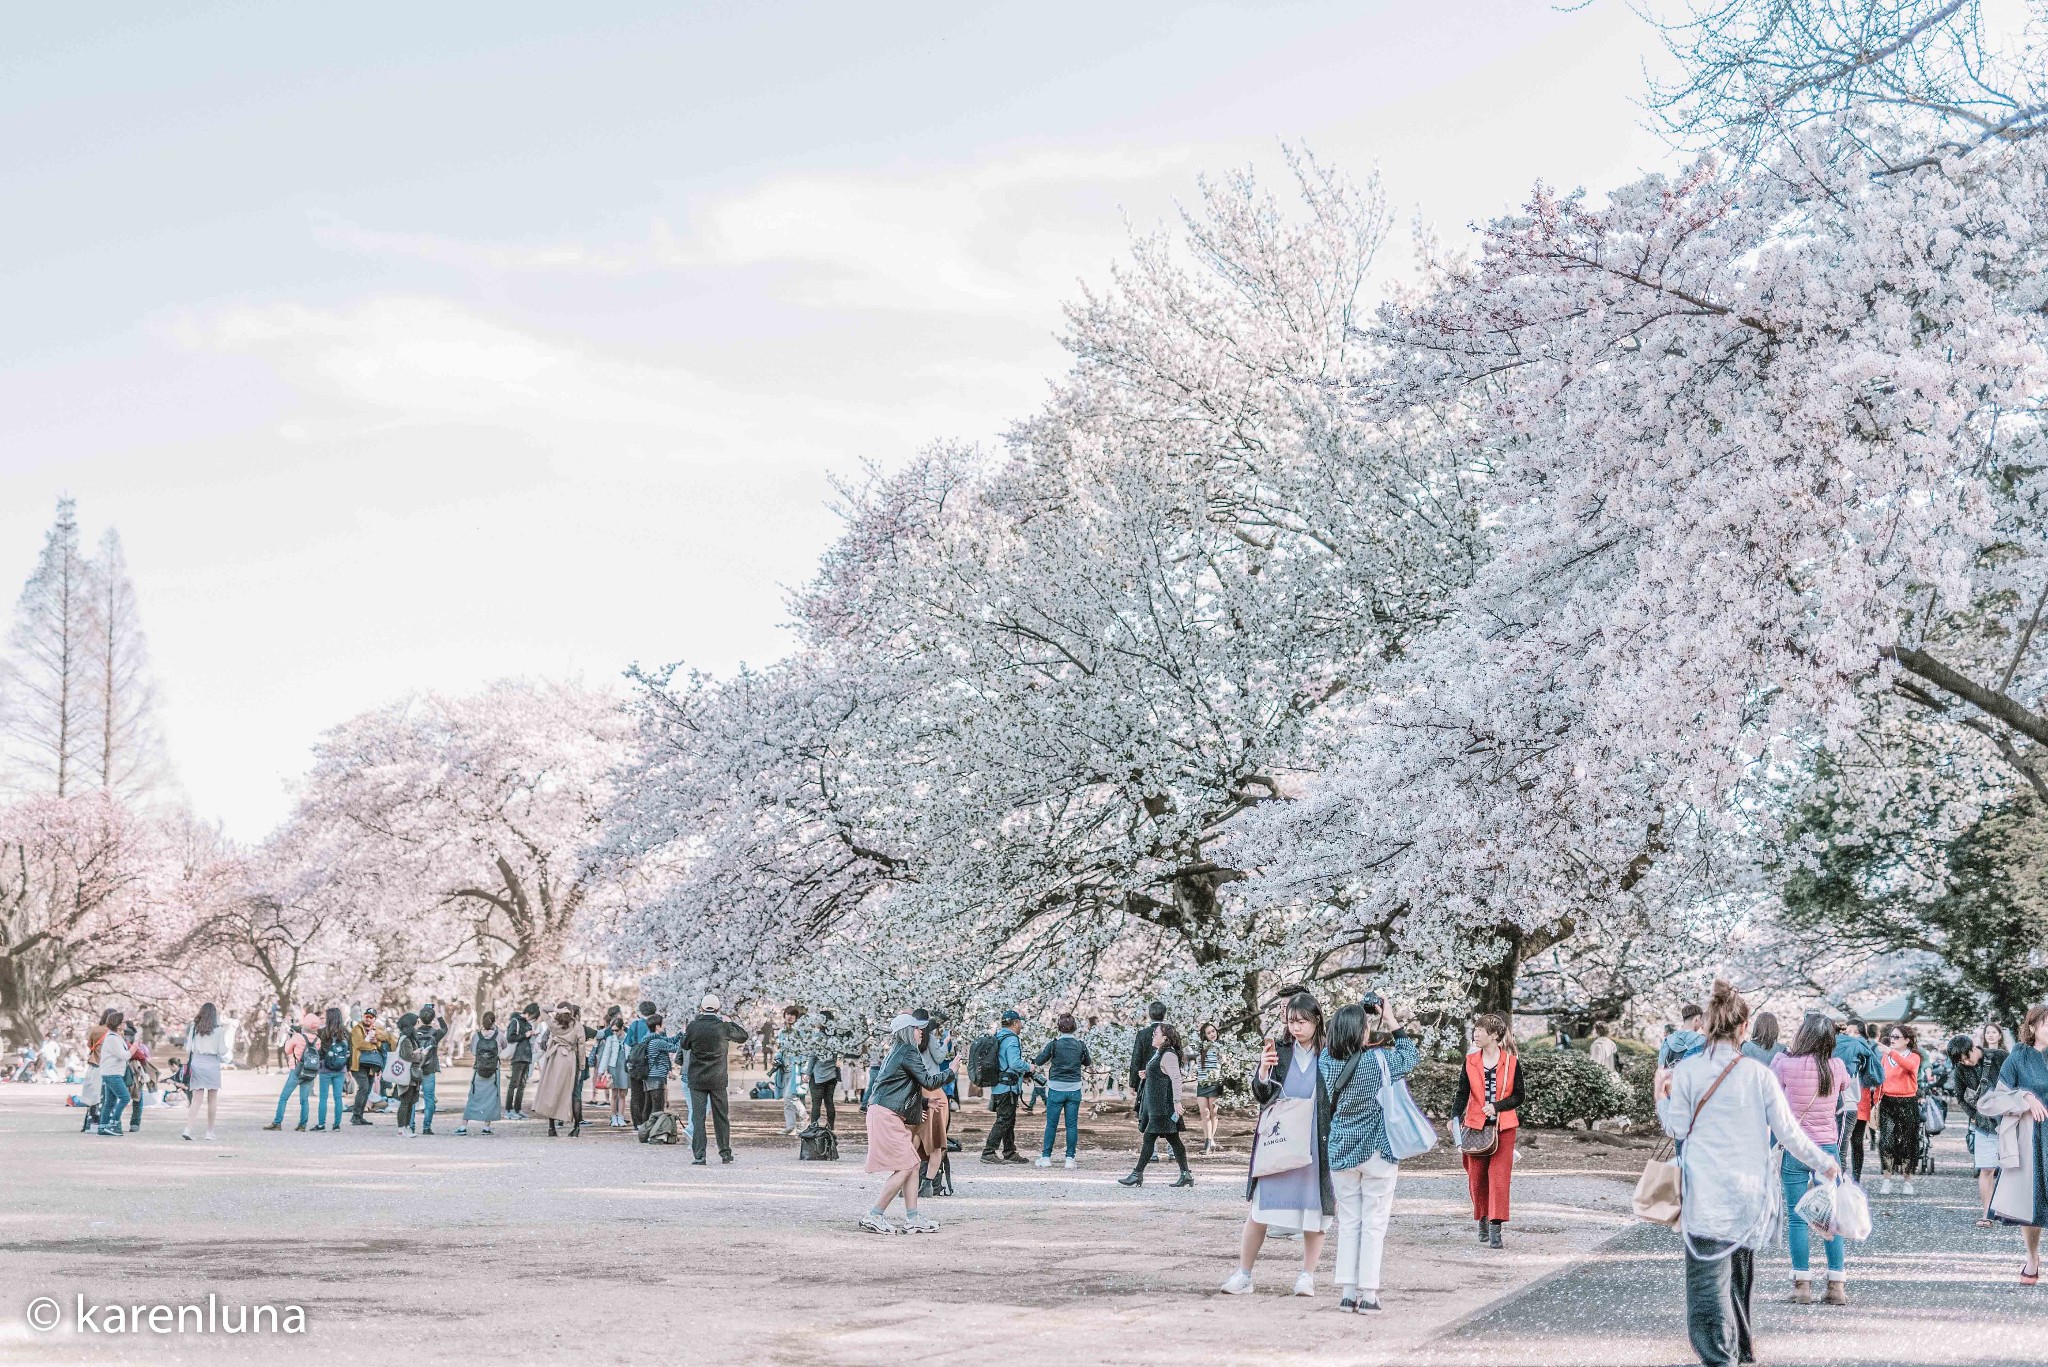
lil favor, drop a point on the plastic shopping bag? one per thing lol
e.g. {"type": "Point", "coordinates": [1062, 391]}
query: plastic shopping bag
{"type": "Point", "coordinates": [1837, 1209]}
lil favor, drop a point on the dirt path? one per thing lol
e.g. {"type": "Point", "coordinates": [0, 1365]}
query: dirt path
{"type": "Point", "coordinates": [520, 1248]}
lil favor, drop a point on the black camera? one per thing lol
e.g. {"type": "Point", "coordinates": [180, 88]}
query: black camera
{"type": "Point", "coordinates": [1372, 1003]}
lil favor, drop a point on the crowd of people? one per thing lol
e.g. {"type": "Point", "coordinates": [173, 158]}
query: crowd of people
{"type": "Point", "coordinates": [1754, 1143]}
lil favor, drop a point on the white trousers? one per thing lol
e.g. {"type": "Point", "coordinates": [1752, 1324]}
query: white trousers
{"type": "Point", "coordinates": [1365, 1202]}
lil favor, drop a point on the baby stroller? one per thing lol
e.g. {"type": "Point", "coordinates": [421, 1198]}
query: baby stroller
{"type": "Point", "coordinates": [1923, 1159]}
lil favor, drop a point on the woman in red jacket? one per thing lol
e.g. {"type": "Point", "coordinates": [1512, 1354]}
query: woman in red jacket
{"type": "Point", "coordinates": [1490, 1092]}
{"type": "Point", "coordinates": [1898, 1108]}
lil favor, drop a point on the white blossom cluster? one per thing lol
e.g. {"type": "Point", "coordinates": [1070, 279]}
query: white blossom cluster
{"type": "Point", "coordinates": [1297, 641]}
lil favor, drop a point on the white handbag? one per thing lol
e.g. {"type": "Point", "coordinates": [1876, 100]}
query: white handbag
{"type": "Point", "coordinates": [1285, 1139]}
{"type": "Point", "coordinates": [397, 1072]}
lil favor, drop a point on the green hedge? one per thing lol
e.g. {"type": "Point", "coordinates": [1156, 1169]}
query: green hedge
{"type": "Point", "coordinates": [1559, 1088]}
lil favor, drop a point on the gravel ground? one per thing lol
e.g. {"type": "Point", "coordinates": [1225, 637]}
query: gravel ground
{"type": "Point", "coordinates": [518, 1248]}
{"type": "Point", "coordinates": [1928, 1287]}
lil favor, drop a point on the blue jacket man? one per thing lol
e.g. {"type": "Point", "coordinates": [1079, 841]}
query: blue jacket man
{"type": "Point", "coordinates": [636, 1088]}
{"type": "Point", "coordinates": [1002, 1134]}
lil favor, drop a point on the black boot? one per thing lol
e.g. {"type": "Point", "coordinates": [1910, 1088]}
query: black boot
{"type": "Point", "coordinates": [551, 1129]}
{"type": "Point", "coordinates": [1136, 1179]}
{"type": "Point", "coordinates": [1483, 1230]}
{"type": "Point", "coordinates": [1186, 1179]}
{"type": "Point", "coordinates": [1494, 1241]}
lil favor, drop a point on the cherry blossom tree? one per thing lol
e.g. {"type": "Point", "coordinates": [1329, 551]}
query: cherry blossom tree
{"type": "Point", "coordinates": [1034, 692]}
{"type": "Point", "coordinates": [79, 917]}
{"type": "Point", "coordinates": [458, 827]}
{"type": "Point", "coordinates": [1763, 440]}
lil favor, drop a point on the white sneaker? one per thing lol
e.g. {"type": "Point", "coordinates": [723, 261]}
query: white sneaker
{"type": "Point", "coordinates": [1886, 1188]}
{"type": "Point", "coordinates": [1305, 1284]}
{"type": "Point", "coordinates": [1238, 1283]}
{"type": "Point", "coordinates": [1907, 1189]}
{"type": "Point", "coordinates": [1041, 1162]}
{"type": "Point", "coordinates": [920, 1223]}
{"type": "Point", "coordinates": [209, 1136]}
{"type": "Point", "coordinates": [1071, 1165]}
{"type": "Point", "coordinates": [184, 1134]}
{"type": "Point", "coordinates": [877, 1224]}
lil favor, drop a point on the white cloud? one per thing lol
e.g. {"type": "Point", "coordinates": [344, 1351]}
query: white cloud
{"type": "Point", "coordinates": [428, 358]}
{"type": "Point", "coordinates": [1007, 236]}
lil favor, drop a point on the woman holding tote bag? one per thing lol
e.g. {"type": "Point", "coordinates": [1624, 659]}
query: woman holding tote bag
{"type": "Point", "coordinates": [1724, 1108]}
{"type": "Point", "coordinates": [1296, 1123]}
{"type": "Point", "coordinates": [1367, 1052]}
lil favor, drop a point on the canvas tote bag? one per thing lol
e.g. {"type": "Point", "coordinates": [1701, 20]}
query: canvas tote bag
{"type": "Point", "coordinates": [1409, 1133]}
{"type": "Point", "coordinates": [1286, 1136]}
{"type": "Point", "coordinates": [1660, 1192]}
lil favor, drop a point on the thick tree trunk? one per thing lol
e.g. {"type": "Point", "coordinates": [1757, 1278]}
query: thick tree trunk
{"type": "Point", "coordinates": [1494, 989]}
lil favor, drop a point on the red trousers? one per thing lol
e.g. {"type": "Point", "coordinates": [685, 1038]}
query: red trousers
{"type": "Point", "coordinates": [1489, 1178]}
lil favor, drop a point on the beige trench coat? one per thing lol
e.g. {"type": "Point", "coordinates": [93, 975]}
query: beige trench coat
{"type": "Point", "coordinates": [554, 1083]}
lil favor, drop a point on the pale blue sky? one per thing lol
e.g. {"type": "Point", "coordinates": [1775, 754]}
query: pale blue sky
{"type": "Point", "coordinates": [412, 346]}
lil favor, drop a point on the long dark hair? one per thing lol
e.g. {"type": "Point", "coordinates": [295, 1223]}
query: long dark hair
{"type": "Point", "coordinates": [1304, 1004]}
{"type": "Point", "coordinates": [1816, 1040]}
{"type": "Point", "coordinates": [1347, 1031]}
{"type": "Point", "coordinates": [208, 1021]}
{"type": "Point", "coordinates": [335, 1029]}
{"type": "Point", "coordinates": [1171, 1044]}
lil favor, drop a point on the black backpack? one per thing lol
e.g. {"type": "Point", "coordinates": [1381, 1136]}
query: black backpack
{"type": "Point", "coordinates": [486, 1057]}
{"type": "Point", "coordinates": [818, 1144]}
{"type": "Point", "coordinates": [309, 1062]}
{"type": "Point", "coordinates": [636, 1062]}
{"type": "Point", "coordinates": [334, 1054]}
{"type": "Point", "coordinates": [985, 1061]}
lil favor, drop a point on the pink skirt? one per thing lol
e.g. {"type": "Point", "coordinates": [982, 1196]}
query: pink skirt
{"type": "Point", "coordinates": [890, 1147]}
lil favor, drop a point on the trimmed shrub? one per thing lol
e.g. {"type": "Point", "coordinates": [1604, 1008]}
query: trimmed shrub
{"type": "Point", "coordinates": [1562, 1087]}
{"type": "Point", "coordinates": [1434, 1085]}
{"type": "Point", "coordinates": [1639, 1075]}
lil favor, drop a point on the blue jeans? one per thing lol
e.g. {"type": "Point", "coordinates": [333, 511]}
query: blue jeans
{"type": "Point", "coordinates": [427, 1101]}
{"type": "Point", "coordinates": [1059, 1104]}
{"type": "Point", "coordinates": [330, 1085]}
{"type": "Point", "coordinates": [305, 1090]}
{"type": "Point", "coordinates": [113, 1101]}
{"type": "Point", "coordinates": [1798, 1234]}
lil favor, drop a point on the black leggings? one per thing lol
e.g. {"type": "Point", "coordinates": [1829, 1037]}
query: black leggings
{"type": "Point", "coordinates": [1858, 1129]}
{"type": "Point", "coordinates": [1898, 1134]}
{"type": "Point", "coordinates": [1180, 1151]}
{"type": "Point", "coordinates": [821, 1095]}
{"type": "Point", "coordinates": [515, 1085]}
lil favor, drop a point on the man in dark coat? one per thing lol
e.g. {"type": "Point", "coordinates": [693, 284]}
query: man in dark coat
{"type": "Point", "coordinates": [705, 1040]}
